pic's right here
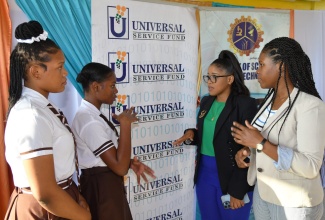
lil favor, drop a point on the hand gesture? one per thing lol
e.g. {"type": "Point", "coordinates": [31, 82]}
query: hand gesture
{"type": "Point", "coordinates": [246, 135]}
{"type": "Point", "coordinates": [126, 116]}
{"type": "Point", "coordinates": [140, 169]}
{"type": "Point", "coordinates": [189, 134]}
{"type": "Point", "coordinates": [241, 155]}
{"type": "Point", "coordinates": [82, 202]}
{"type": "Point", "coordinates": [236, 203]}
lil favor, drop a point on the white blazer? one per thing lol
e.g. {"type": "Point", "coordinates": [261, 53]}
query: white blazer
{"type": "Point", "coordinates": [304, 132]}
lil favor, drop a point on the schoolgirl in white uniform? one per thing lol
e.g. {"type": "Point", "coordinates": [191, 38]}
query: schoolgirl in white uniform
{"type": "Point", "coordinates": [104, 157]}
{"type": "Point", "coordinates": [39, 147]}
{"type": "Point", "coordinates": [88, 121]}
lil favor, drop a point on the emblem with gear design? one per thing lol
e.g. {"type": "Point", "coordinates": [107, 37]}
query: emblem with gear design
{"type": "Point", "coordinates": [245, 35]}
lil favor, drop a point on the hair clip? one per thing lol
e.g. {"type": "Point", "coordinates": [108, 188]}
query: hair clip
{"type": "Point", "coordinates": [42, 36]}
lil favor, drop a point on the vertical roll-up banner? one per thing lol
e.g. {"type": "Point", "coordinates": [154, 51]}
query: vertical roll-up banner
{"type": "Point", "coordinates": [244, 32]}
{"type": "Point", "coordinates": [153, 49]}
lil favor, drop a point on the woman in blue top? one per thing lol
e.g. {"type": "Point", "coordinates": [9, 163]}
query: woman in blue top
{"type": "Point", "coordinates": [216, 173]}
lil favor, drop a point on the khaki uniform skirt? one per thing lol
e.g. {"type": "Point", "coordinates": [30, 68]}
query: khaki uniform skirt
{"type": "Point", "coordinates": [23, 205]}
{"type": "Point", "coordinates": [105, 194]}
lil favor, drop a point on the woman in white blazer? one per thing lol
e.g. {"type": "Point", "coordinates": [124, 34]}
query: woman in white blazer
{"type": "Point", "coordinates": [286, 139]}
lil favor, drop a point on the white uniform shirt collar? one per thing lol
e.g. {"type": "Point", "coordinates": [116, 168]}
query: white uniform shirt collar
{"type": "Point", "coordinates": [91, 107]}
{"type": "Point", "coordinates": [37, 97]}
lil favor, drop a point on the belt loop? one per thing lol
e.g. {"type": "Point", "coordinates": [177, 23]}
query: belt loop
{"type": "Point", "coordinates": [19, 190]}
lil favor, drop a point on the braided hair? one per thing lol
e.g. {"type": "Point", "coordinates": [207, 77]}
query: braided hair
{"type": "Point", "coordinates": [227, 61]}
{"type": "Point", "coordinates": [24, 54]}
{"type": "Point", "coordinates": [93, 72]}
{"type": "Point", "coordinates": [293, 61]}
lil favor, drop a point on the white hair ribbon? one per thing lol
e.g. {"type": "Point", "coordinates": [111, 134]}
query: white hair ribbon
{"type": "Point", "coordinates": [33, 39]}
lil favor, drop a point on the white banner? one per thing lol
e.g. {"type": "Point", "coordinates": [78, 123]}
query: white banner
{"type": "Point", "coordinates": [153, 49]}
{"type": "Point", "coordinates": [244, 32]}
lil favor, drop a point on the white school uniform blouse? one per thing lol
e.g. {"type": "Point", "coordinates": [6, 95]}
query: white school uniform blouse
{"type": "Point", "coordinates": [32, 130]}
{"type": "Point", "coordinates": [93, 136]}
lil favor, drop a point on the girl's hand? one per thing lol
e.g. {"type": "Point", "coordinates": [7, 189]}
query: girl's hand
{"type": "Point", "coordinates": [246, 135]}
{"type": "Point", "coordinates": [189, 134]}
{"type": "Point", "coordinates": [241, 155]}
{"type": "Point", "coordinates": [236, 203]}
{"type": "Point", "coordinates": [82, 202]}
{"type": "Point", "coordinates": [126, 116]}
{"type": "Point", "coordinates": [140, 169]}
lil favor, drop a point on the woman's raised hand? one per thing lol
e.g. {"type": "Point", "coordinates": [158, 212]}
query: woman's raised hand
{"type": "Point", "coordinates": [189, 134]}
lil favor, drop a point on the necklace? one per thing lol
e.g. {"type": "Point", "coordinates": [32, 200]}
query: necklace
{"type": "Point", "coordinates": [213, 115]}
{"type": "Point", "coordinates": [216, 110]}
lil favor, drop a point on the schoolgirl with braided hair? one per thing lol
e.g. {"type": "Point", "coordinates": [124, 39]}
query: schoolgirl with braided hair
{"type": "Point", "coordinates": [104, 154]}
{"type": "Point", "coordinates": [221, 186]}
{"type": "Point", "coordinates": [285, 140]}
{"type": "Point", "coordinates": [39, 147]}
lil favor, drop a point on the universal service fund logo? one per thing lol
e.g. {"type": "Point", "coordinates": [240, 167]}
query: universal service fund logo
{"type": "Point", "coordinates": [159, 112]}
{"type": "Point", "coordinates": [121, 104]}
{"type": "Point", "coordinates": [158, 72]}
{"type": "Point", "coordinates": [148, 113]}
{"type": "Point", "coordinates": [157, 187]}
{"type": "Point", "coordinates": [118, 22]}
{"type": "Point", "coordinates": [119, 62]}
{"type": "Point", "coordinates": [154, 151]}
{"type": "Point", "coordinates": [172, 215]}
{"type": "Point", "coordinates": [118, 27]}
{"type": "Point", "coordinates": [149, 30]}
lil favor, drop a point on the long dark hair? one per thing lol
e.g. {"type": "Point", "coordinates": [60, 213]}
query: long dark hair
{"type": "Point", "coordinates": [293, 61]}
{"type": "Point", "coordinates": [228, 62]}
{"type": "Point", "coordinates": [24, 54]}
{"type": "Point", "coordinates": [93, 72]}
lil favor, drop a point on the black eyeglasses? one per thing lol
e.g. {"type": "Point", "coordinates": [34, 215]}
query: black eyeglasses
{"type": "Point", "coordinates": [212, 78]}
